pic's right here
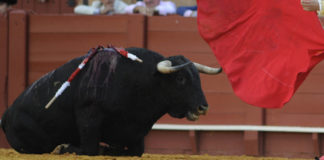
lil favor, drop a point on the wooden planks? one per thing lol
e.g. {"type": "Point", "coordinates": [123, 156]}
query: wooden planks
{"type": "Point", "coordinates": [17, 61]}
{"type": "Point", "coordinates": [175, 35]}
{"type": "Point", "coordinates": [4, 49]}
{"type": "Point", "coordinates": [54, 39]}
{"type": "Point", "coordinates": [49, 7]}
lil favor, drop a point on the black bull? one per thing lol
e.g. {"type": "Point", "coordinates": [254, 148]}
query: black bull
{"type": "Point", "coordinates": [113, 100]}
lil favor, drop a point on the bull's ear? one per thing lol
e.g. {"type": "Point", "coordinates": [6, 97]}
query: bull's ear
{"type": "Point", "coordinates": [166, 67]}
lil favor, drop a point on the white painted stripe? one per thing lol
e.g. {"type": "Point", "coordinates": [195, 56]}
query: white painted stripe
{"type": "Point", "coordinates": [81, 65]}
{"type": "Point", "coordinates": [131, 56]}
{"type": "Point", "coordinates": [179, 127]}
{"type": "Point", "coordinates": [62, 88]}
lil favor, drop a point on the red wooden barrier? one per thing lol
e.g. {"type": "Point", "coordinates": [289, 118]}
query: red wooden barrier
{"type": "Point", "coordinates": [4, 27]}
{"type": "Point", "coordinates": [17, 54]}
{"type": "Point", "coordinates": [54, 39]}
{"type": "Point", "coordinates": [50, 6]}
{"type": "Point", "coordinates": [3, 61]}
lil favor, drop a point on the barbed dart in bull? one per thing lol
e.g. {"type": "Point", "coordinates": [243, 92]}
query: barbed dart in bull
{"type": "Point", "coordinates": [66, 84]}
{"type": "Point", "coordinates": [130, 55]}
{"type": "Point", "coordinates": [126, 54]}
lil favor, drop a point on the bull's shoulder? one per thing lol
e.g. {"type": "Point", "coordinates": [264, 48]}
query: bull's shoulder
{"type": "Point", "coordinates": [66, 69]}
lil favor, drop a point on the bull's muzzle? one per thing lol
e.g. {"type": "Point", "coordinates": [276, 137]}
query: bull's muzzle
{"type": "Point", "coordinates": [193, 116]}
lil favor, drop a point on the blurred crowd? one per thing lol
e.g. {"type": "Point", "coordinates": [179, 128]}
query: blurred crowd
{"type": "Point", "coordinates": [159, 7]}
{"type": "Point", "coordinates": [145, 7]}
{"type": "Point", "coordinates": [110, 7]}
{"type": "Point", "coordinates": [313, 5]}
{"type": "Point", "coordinates": [5, 5]}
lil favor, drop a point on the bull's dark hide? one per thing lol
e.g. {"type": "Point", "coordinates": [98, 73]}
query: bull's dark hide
{"type": "Point", "coordinates": [112, 100]}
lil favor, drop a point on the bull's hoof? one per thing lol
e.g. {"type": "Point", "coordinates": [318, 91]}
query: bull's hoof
{"type": "Point", "coordinates": [60, 149]}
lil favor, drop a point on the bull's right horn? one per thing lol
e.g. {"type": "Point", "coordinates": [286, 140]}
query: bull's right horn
{"type": "Point", "coordinates": [207, 70]}
{"type": "Point", "coordinates": [166, 67]}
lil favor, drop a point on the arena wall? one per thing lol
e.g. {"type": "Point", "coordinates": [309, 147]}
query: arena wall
{"type": "Point", "coordinates": [4, 27]}
{"type": "Point", "coordinates": [33, 44]}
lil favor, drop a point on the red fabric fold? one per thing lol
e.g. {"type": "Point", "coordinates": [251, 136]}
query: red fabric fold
{"type": "Point", "coordinates": [266, 47]}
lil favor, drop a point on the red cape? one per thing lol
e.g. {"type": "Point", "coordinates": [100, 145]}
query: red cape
{"type": "Point", "coordinates": [266, 47]}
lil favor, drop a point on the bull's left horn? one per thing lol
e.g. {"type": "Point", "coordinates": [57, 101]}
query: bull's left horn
{"type": "Point", "coordinates": [165, 67]}
{"type": "Point", "coordinates": [207, 70]}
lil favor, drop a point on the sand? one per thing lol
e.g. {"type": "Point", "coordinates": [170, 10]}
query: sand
{"type": "Point", "coordinates": [10, 154]}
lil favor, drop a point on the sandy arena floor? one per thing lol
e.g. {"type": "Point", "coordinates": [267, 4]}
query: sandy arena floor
{"type": "Point", "coordinates": [9, 154]}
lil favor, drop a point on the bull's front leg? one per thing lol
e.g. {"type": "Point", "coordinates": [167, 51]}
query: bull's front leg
{"type": "Point", "coordinates": [136, 149]}
{"type": "Point", "coordinates": [132, 149]}
{"type": "Point", "coordinates": [89, 120]}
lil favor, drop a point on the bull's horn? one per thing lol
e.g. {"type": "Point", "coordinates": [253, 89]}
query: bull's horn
{"type": "Point", "coordinates": [166, 67]}
{"type": "Point", "coordinates": [207, 70]}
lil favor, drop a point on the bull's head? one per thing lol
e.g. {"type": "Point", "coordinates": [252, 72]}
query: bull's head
{"type": "Point", "coordinates": [186, 74]}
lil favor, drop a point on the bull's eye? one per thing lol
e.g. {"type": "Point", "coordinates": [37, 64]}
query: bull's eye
{"type": "Point", "coordinates": [181, 80]}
